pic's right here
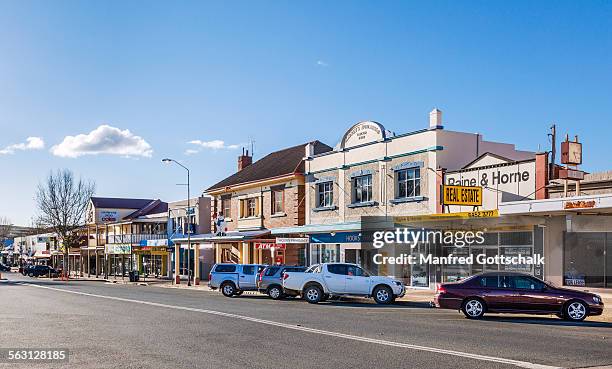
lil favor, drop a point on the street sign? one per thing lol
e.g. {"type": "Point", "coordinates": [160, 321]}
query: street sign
{"type": "Point", "coordinates": [462, 195]}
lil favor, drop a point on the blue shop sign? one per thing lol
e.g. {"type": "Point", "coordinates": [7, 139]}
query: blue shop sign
{"type": "Point", "coordinates": [338, 237]}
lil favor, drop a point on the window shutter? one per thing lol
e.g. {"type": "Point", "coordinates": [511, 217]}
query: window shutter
{"type": "Point", "coordinates": [257, 207]}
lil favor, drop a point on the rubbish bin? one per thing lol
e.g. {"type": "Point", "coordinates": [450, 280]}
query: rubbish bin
{"type": "Point", "coordinates": [136, 276]}
{"type": "Point", "coordinates": [132, 276]}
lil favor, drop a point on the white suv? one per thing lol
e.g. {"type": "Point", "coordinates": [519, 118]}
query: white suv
{"type": "Point", "coordinates": [341, 279]}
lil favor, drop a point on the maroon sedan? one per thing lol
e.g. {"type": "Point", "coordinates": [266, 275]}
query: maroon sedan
{"type": "Point", "coordinates": [507, 292]}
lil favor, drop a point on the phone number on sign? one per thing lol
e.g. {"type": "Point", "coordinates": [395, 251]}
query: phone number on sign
{"type": "Point", "coordinates": [39, 355]}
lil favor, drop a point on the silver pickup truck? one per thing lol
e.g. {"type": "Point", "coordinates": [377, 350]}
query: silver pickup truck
{"type": "Point", "coordinates": [233, 279]}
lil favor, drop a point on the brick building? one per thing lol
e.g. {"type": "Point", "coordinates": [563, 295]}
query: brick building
{"type": "Point", "coordinates": [261, 197]}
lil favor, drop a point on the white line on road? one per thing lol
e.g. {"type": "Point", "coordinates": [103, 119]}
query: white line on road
{"type": "Point", "coordinates": [521, 364]}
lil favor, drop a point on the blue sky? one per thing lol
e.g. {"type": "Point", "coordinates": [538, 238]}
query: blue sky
{"type": "Point", "coordinates": [282, 73]}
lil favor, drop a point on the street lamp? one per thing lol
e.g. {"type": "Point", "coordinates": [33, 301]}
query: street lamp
{"type": "Point", "coordinates": [168, 161]}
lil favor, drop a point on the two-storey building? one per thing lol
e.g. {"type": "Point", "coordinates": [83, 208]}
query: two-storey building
{"type": "Point", "coordinates": [262, 196]}
{"type": "Point", "coordinates": [117, 231]}
{"type": "Point", "coordinates": [373, 172]}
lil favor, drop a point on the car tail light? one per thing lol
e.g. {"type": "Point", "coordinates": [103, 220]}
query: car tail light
{"type": "Point", "coordinates": [261, 275]}
{"type": "Point", "coordinates": [209, 276]}
{"type": "Point", "coordinates": [285, 276]}
{"type": "Point", "coordinates": [440, 288]}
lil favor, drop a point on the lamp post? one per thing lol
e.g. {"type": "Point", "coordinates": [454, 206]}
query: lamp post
{"type": "Point", "coordinates": [188, 226]}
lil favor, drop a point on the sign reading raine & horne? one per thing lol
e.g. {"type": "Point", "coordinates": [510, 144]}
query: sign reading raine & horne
{"type": "Point", "coordinates": [500, 181]}
{"type": "Point", "coordinates": [462, 195]}
{"type": "Point", "coordinates": [298, 240]}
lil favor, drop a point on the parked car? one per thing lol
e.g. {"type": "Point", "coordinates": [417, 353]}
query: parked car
{"type": "Point", "coordinates": [339, 279]}
{"type": "Point", "coordinates": [4, 268]}
{"type": "Point", "coordinates": [41, 271]}
{"type": "Point", "coordinates": [509, 292]}
{"type": "Point", "coordinates": [270, 280]}
{"type": "Point", "coordinates": [233, 279]}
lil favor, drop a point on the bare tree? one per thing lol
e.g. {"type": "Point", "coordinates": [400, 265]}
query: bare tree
{"type": "Point", "coordinates": [62, 203]}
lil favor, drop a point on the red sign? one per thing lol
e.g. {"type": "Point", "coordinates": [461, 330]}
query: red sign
{"type": "Point", "coordinates": [267, 246]}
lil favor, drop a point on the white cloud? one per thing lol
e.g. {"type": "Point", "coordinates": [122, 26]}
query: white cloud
{"type": "Point", "coordinates": [191, 152]}
{"type": "Point", "coordinates": [32, 143]}
{"type": "Point", "coordinates": [214, 144]}
{"type": "Point", "coordinates": [321, 63]}
{"type": "Point", "coordinates": [103, 140]}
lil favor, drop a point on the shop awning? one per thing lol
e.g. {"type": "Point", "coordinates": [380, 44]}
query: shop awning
{"type": "Point", "coordinates": [229, 236]}
{"type": "Point", "coordinates": [318, 228]}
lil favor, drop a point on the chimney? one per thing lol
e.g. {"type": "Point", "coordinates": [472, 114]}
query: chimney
{"type": "Point", "coordinates": [244, 160]}
{"type": "Point", "coordinates": [309, 150]}
{"type": "Point", "coordinates": [435, 119]}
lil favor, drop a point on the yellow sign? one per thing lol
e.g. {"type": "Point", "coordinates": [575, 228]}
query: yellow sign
{"type": "Point", "coordinates": [448, 216]}
{"type": "Point", "coordinates": [462, 195]}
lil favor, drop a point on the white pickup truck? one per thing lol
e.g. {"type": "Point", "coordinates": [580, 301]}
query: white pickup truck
{"type": "Point", "coordinates": [322, 281]}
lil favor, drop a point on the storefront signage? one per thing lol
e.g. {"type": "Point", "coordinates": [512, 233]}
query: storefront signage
{"type": "Point", "coordinates": [292, 240]}
{"type": "Point", "coordinates": [118, 248]}
{"type": "Point", "coordinates": [109, 216]}
{"type": "Point", "coordinates": [443, 216]}
{"type": "Point", "coordinates": [362, 133]}
{"type": "Point", "coordinates": [573, 174]}
{"type": "Point", "coordinates": [571, 152]}
{"type": "Point", "coordinates": [340, 237]}
{"type": "Point", "coordinates": [160, 242]}
{"type": "Point", "coordinates": [462, 195]}
{"type": "Point", "coordinates": [579, 204]}
{"type": "Point", "coordinates": [267, 246]}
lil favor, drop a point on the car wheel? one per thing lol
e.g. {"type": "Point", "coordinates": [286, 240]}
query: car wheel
{"type": "Point", "coordinates": [228, 289]}
{"type": "Point", "coordinates": [31, 275]}
{"type": "Point", "coordinates": [473, 308]}
{"type": "Point", "coordinates": [275, 292]}
{"type": "Point", "coordinates": [575, 311]}
{"type": "Point", "coordinates": [382, 295]}
{"type": "Point", "coordinates": [313, 294]}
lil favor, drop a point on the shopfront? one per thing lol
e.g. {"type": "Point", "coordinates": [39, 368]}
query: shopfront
{"type": "Point", "coordinates": [151, 260]}
{"type": "Point", "coordinates": [119, 259]}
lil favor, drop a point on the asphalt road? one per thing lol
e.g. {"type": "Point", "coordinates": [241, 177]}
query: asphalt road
{"type": "Point", "coordinates": [126, 326]}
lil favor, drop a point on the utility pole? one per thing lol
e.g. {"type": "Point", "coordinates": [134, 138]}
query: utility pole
{"type": "Point", "coordinates": [553, 151]}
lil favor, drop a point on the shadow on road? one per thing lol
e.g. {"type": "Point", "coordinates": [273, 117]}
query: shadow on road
{"type": "Point", "coordinates": [346, 302]}
{"type": "Point", "coordinates": [546, 321]}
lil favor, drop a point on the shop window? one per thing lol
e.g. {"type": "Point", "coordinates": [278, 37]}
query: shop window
{"type": "Point", "coordinates": [515, 238]}
{"type": "Point", "coordinates": [408, 183]}
{"type": "Point", "coordinates": [325, 194]}
{"type": "Point", "coordinates": [584, 259]}
{"type": "Point", "coordinates": [278, 199]}
{"type": "Point", "coordinates": [362, 189]}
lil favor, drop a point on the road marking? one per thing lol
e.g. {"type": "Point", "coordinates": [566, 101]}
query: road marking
{"type": "Point", "coordinates": [521, 364]}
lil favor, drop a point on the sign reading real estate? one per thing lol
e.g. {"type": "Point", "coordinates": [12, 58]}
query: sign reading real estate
{"type": "Point", "coordinates": [462, 195]}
